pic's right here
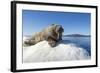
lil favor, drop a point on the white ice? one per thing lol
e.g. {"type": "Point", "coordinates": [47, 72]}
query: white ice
{"type": "Point", "coordinates": [42, 52]}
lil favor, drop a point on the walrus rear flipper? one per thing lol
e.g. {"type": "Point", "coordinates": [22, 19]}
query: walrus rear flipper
{"type": "Point", "coordinates": [29, 42]}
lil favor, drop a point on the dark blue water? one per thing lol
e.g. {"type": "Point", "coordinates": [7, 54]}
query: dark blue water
{"type": "Point", "coordinates": [83, 42]}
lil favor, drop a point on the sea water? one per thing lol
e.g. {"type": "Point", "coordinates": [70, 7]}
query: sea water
{"type": "Point", "coordinates": [83, 42]}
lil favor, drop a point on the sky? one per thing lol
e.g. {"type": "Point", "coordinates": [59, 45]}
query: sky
{"type": "Point", "coordinates": [73, 23]}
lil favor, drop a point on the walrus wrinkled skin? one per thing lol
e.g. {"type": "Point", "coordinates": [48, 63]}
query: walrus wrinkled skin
{"type": "Point", "coordinates": [52, 34]}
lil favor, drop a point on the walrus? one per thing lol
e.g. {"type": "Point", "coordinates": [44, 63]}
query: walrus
{"type": "Point", "coordinates": [52, 34]}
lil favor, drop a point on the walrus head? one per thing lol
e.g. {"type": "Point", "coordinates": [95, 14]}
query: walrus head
{"type": "Point", "coordinates": [58, 30]}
